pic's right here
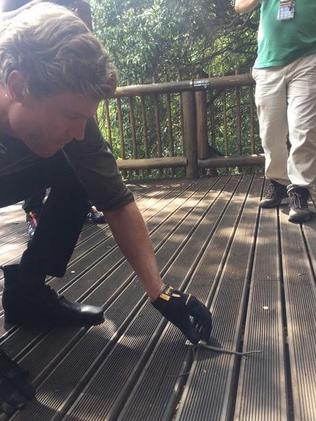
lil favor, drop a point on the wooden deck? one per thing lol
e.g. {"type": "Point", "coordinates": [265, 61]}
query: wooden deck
{"type": "Point", "coordinates": [254, 269]}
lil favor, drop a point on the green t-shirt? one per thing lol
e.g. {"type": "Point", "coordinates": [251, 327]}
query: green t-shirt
{"type": "Point", "coordinates": [281, 42]}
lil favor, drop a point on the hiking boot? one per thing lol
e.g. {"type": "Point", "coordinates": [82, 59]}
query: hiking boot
{"type": "Point", "coordinates": [274, 194]}
{"type": "Point", "coordinates": [95, 217]}
{"type": "Point", "coordinates": [31, 223]}
{"type": "Point", "coordinates": [299, 211]}
{"type": "Point", "coordinates": [41, 306]}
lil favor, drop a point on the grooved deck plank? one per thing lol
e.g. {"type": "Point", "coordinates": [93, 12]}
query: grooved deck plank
{"type": "Point", "coordinates": [93, 341]}
{"type": "Point", "coordinates": [261, 391]}
{"type": "Point", "coordinates": [94, 393]}
{"type": "Point", "coordinates": [160, 382]}
{"type": "Point", "coordinates": [300, 300]}
{"type": "Point", "coordinates": [210, 240]}
{"type": "Point", "coordinates": [210, 390]}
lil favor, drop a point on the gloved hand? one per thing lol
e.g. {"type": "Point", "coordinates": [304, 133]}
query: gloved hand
{"type": "Point", "coordinates": [186, 312]}
{"type": "Point", "coordinates": [15, 388]}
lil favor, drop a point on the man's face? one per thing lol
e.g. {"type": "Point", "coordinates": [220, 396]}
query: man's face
{"type": "Point", "coordinates": [46, 125]}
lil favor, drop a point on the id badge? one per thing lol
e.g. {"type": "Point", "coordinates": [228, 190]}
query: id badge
{"type": "Point", "coordinates": [286, 10]}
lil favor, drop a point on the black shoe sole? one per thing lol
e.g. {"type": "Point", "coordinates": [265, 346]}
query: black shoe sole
{"type": "Point", "coordinates": [9, 323]}
{"type": "Point", "coordinates": [298, 220]}
{"type": "Point", "coordinates": [268, 206]}
{"type": "Point", "coordinates": [273, 205]}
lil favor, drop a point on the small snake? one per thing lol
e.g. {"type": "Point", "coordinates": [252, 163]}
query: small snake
{"type": "Point", "coordinates": [204, 345]}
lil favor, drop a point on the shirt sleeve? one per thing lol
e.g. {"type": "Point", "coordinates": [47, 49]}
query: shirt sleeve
{"type": "Point", "coordinates": [96, 167]}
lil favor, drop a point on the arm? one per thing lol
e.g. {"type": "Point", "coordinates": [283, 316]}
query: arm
{"type": "Point", "coordinates": [130, 232]}
{"type": "Point", "coordinates": [183, 310]}
{"type": "Point", "coordinates": [244, 6]}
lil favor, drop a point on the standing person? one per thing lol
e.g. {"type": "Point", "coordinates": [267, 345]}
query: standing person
{"type": "Point", "coordinates": [285, 75]}
{"type": "Point", "coordinates": [53, 73]}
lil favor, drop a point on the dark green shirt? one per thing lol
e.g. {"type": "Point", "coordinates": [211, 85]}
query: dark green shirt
{"type": "Point", "coordinates": [281, 42]}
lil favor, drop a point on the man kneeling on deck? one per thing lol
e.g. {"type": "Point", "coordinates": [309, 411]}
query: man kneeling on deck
{"type": "Point", "coordinates": [53, 74]}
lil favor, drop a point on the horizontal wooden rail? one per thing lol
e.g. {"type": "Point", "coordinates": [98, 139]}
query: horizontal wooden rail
{"type": "Point", "coordinates": [196, 120]}
{"type": "Point", "coordinates": [146, 164]}
{"type": "Point", "coordinates": [186, 85]}
{"type": "Point", "coordinates": [231, 161]}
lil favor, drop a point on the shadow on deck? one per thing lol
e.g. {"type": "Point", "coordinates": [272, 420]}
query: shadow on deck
{"type": "Point", "coordinates": [254, 269]}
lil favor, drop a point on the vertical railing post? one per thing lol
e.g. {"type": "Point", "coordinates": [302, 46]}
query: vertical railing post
{"type": "Point", "coordinates": [201, 125]}
{"type": "Point", "coordinates": [238, 121]}
{"type": "Point", "coordinates": [189, 134]}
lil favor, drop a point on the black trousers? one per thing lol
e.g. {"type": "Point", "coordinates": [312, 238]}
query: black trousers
{"type": "Point", "coordinates": [62, 215]}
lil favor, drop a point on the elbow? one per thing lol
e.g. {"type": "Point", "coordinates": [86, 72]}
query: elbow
{"type": "Point", "coordinates": [239, 7]}
{"type": "Point", "coordinates": [244, 7]}
{"type": "Point", "coordinates": [237, 10]}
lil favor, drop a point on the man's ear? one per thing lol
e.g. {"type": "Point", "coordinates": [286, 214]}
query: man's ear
{"type": "Point", "coordinates": [16, 86]}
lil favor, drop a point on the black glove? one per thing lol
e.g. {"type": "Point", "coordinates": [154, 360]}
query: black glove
{"type": "Point", "coordinates": [186, 312]}
{"type": "Point", "coordinates": [15, 388]}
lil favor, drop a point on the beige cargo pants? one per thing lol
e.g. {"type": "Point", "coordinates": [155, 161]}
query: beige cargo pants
{"type": "Point", "coordinates": [286, 105]}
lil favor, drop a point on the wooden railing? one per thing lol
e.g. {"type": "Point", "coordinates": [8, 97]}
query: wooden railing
{"type": "Point", "coordinates": [184, 127]}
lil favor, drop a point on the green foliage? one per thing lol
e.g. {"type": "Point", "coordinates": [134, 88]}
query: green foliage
{"type": "Point", "coordinates": [163, 40]}
{"type": "Point", "coordinates": [168, 40]}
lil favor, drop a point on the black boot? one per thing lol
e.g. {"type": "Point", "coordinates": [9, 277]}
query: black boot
{"type": "Point", "coordinates": [39, 305]}
{"type": "Point", "coordinates": [15, 387]}
{"type": "Point", "coordinates": [274, 194]}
